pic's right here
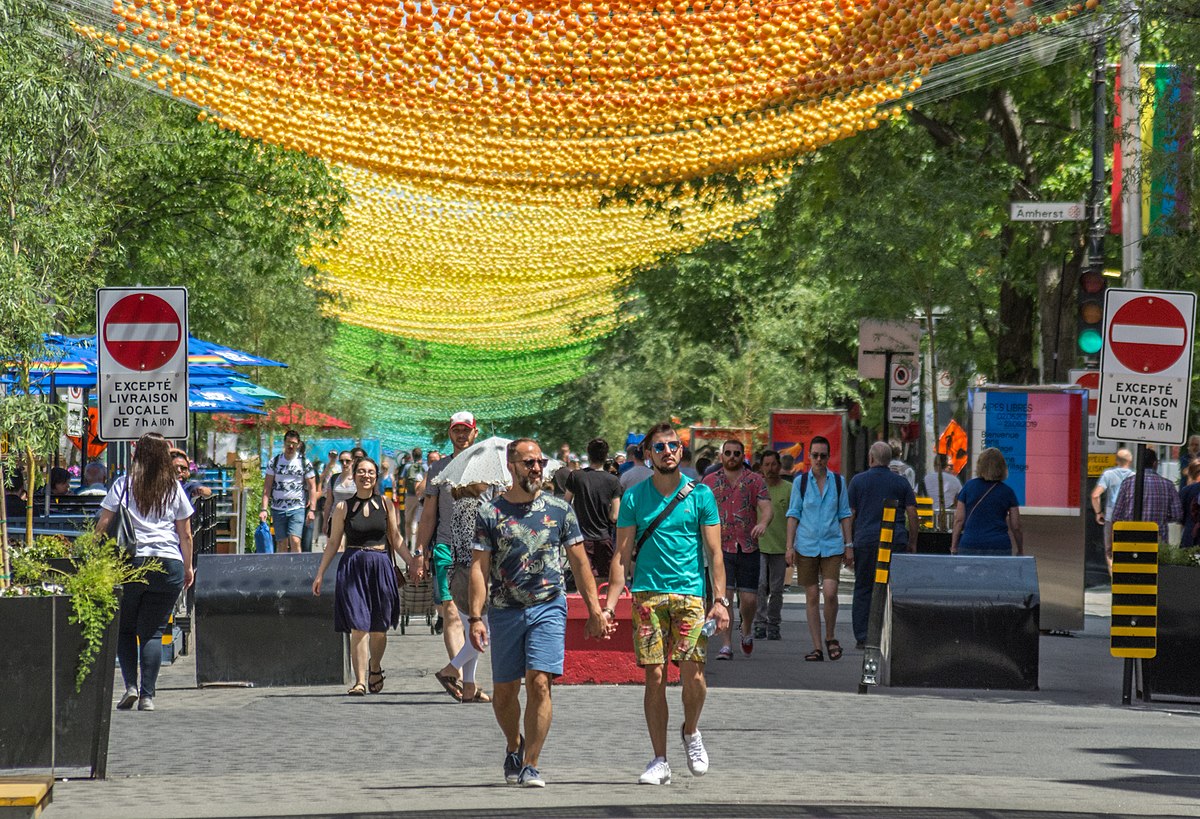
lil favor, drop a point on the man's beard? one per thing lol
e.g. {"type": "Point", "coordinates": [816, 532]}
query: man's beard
{"type": "Point", "coordinates": [531, 484]}
{"type": "Point", "coordinates": [666, 470]}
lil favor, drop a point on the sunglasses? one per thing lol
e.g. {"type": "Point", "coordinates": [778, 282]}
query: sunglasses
{"type": "Point", "coordinates": [729, 453]}
{"type": "Point", "coordinates": [818, 455]}
{"type": "Point", "coordinates": [530, 463]}
{"type": "Point", "coordinates": [183, 468]}
{"type": "Point", "coordinates": [346, 461]}
{"type": "Point", "coordinates": [663, 446]}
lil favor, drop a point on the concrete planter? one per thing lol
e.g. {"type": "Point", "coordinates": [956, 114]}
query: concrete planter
{"type": "Point", "coordinates": [44, 722]}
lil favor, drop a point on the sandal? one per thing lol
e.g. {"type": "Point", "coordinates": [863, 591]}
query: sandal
{"type": "Point", "coordinates": [835, 649]}
{"type": "Point", "coordinates": [479, 697]}
{"type": "Point", "coordinates": [815, 656]}
{"type": "Point", "coordinates": [359, 690]}
{"type": "Point", "coordinates": [375, 685]}
{"type": "Point", "coordinates": [451, 684]}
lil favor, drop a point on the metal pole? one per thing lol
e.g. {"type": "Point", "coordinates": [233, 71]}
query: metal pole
{"type": "Point", "coordinates": [1096, 222]}
{"type": "Point", "coordinates": [1131, 144]}
{"type": "Point", "coordinates": [887, 393]}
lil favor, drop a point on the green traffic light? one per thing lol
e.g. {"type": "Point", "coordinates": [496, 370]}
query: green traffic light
{"type": "Point", "coordinates": [1090, 342]}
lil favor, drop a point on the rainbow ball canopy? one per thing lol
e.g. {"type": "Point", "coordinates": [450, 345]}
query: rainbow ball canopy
{"type": "Point", "coordinates": [478, 139]}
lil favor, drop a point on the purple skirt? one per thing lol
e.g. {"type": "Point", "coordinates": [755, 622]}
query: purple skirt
{"type": "Point", "coordinates": [366, 597]}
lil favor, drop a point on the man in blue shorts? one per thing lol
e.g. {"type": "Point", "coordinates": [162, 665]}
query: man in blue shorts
{"type": "Point", "coordinates": [668, 591]}
{"type": "Point", "coordinates": [523, 540]}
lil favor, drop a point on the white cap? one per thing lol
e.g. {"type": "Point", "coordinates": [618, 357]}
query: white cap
{"type": "Point", "coordinates": [462, 419]}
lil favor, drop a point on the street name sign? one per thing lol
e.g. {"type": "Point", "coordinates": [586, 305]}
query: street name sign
{"type": "Point", "coordinates": [1046, 211]}
{"type": "Point", "coordinates": [142, 337]}
{"type": "Point", "coordinates": [1146, 366]}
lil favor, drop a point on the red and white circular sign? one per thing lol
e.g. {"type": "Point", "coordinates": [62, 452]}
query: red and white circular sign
{"type": "Point", "coordinates": [142, 332]}
{"type": "Point", "coordinates": [1091, 380]}
{"type": "Point", "coordinates": [1148, 334]}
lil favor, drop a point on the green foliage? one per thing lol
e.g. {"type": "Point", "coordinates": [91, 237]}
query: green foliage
{"type": "Point", "coordinates": [1176, 556]}
{"type": "Point", "coordinates": [254, 489]}
{"type": "Point", "coordinates": [98, 568]}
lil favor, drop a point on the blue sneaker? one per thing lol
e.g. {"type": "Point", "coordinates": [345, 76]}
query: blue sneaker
{"type": "Point", "coordinates": [513, 762]}
{"type": "Point", "coordinates": [530, 778]}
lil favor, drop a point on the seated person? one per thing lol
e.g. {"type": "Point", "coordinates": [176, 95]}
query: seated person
{"type": "Point", "coordinates": [60, 481]}
{"type": "Point", "coordinates": [94, 477]}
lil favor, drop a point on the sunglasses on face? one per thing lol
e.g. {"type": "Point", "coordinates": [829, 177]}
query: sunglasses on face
{"type": "Point", "coordinates": [346, 461]}
{"type": "Point", "coordinates": [731, 454]}
{"type": "Point", "coordinates": [816, 455]}
{"type": "Point", "coordinates": [663, 446]}
{"type": "Point", "coordinates": [183, 468]}
{"type": "Point", "coordinates": [530, 463]}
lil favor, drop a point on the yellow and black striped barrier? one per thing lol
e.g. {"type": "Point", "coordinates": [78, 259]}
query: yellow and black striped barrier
{"type": "Point", "coordinates": [872, 652]}
{"type": "Point", "coordinates": [925, 512]}
{"type": "Point", "coordinates": [1134, 631]}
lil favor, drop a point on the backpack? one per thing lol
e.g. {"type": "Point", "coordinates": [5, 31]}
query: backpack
{"type": "Point", "coordinates": [837, 482]}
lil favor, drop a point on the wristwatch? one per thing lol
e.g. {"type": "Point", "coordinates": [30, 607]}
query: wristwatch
{"type": "Point", "coordinates": [724, 601]}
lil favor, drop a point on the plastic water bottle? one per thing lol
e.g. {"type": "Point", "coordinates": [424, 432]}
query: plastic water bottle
{"type": "Point", "coordinates": [709, 628]}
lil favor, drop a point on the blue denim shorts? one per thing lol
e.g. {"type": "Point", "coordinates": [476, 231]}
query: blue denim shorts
{"type": "Point", "coordinates": [529, 639]}
{"type": "Point", "coordinates": [288, 522]}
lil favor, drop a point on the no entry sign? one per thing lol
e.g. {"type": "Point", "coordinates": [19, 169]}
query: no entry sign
{"type": "Point", "coordinates": [1146, 366]}
{"type": "Point", "coordinates": [142, 338]}
{"type": "Point", "coordinates": [1148, 334]}
{"type": "Point", "coordinates": [142, 331]}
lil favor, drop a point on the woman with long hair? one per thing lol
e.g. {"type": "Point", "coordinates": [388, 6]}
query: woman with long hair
{"type": "Point", "coordinates": [367, 598]}
{"type": "Point", "coordinates": [340, 487]}
{"type": "Point", "coordinates": [160, 511]}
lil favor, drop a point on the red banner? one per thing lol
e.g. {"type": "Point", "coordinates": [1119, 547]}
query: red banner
{"type": "Point", "coordinates": [793, 430]}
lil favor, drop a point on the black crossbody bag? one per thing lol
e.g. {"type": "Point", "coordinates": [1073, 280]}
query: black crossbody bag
{"type": "Point", "coordinates": [670, 507]}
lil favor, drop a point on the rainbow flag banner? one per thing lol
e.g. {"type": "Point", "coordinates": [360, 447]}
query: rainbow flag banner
{"type": "Point", "coordinates": [1165, 125]}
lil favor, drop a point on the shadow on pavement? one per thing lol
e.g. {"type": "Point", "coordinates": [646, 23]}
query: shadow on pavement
{"type": "Point", "coordinates": [1177, 766]}
{"type": "Point", "coordinates": [713, 811]}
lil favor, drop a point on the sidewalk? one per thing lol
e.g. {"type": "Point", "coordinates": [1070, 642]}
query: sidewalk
{"type": "Point", "coordinates": [786, 738]}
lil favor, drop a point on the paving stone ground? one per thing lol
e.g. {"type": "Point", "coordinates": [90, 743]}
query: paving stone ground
{"type": "Point", "coordinates": [786, 738]}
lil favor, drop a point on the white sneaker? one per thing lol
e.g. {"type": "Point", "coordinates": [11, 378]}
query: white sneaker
{"type": "Point", "coordinates": [697, 757]}
{"type": "Point", "coordinates": [658, 772]}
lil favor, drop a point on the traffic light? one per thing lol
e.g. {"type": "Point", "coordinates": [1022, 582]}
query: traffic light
{"type": "Point", "coordinates": [1090, 317]}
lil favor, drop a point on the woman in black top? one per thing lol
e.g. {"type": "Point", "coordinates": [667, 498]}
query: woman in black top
{"type": "Point", "coordinates": [366, 599]}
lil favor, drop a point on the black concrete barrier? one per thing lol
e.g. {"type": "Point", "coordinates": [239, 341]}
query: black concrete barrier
{"type": "Point", "coordinates": [258, 623]}
{"type": "Point", "coordinates": [963, 622]}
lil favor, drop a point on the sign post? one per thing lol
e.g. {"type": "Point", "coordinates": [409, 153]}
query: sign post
{"type": "Point", "coordinates": [1145, 382]}
{"type": "Point", "coordinates": [142, 337]}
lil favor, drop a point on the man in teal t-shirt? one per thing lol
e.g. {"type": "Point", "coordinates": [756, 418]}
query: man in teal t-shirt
{"type": "Point", "coordinates": [668, 592]}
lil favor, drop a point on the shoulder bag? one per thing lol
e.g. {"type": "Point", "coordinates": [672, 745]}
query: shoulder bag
{"type": "Point", "coordinates": [122, 528]}
{"type": "Point", "coordinates": [670, 507]}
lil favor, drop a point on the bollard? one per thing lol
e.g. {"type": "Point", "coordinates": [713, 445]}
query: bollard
{"type": "Point", "coordinates": [873, 652]}
{"type": "Point", "coordinates": [1134, 629]}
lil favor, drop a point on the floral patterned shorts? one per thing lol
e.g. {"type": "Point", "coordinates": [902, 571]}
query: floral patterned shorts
{"type": "Point", "coordinates": [659, 618]}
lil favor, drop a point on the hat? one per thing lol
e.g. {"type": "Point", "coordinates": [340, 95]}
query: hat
{"type": "Point", "coordinates": [462, 419]}
{"type": "Point", "coordinates": [573, 458]}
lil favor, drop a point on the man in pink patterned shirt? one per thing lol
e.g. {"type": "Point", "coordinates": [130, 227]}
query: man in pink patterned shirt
{"type": "Point", "coordinates": [745, 508]}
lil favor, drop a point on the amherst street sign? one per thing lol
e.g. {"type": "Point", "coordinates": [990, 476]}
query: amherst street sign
{"type": "Point", "coordinates": [1047, 211]}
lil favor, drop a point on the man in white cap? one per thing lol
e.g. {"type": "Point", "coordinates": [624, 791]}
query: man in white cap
{"type": "Point", "coordinates": [434, 534]}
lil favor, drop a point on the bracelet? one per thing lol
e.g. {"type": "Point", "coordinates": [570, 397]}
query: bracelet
{"type": "Point", "coordinates": [607, 610]}
{"type": "Point", "coordinates": [474, 619]}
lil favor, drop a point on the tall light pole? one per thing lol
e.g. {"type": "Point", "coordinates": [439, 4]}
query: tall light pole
{"type": "Point", "coordinates": [1131, 144]}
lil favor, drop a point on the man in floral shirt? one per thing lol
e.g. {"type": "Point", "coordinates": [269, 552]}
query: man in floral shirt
{"type": "Point", "coordinates": [745, 507]}
{"type": "Point", "coordinates": [523, 540]}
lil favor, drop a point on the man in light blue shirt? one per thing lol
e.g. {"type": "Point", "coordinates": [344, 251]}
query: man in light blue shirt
{"type": "Point", "coordinates": [1109, 484]}
{"type": "Point", "coordinates": [818, 540]}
